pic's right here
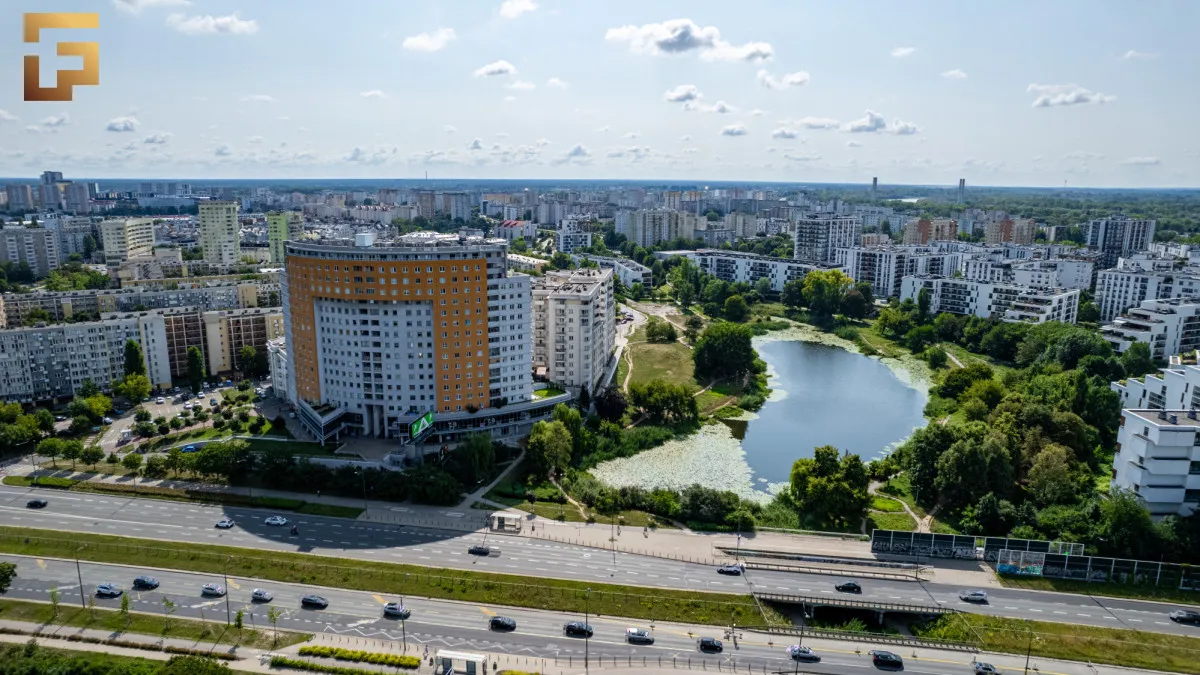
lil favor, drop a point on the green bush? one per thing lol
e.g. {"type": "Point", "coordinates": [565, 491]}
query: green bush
{"type": "Point", "coordinates": [52, 482]}
{"type": "Point", "coordinates": [359, 656]}
{"type": "Point", "coordinates": [410, 662]}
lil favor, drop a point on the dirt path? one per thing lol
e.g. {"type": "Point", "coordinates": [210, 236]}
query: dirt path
{"type": "Point", "coordinates": [922, 523]}
{"type": "Point", "coordinates": [953, 358]}
{"type": "Point", "coordinates": [570, 500]}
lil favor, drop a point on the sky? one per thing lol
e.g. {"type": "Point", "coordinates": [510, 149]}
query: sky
{"type": "Point", "coordinates": [1014, 93]}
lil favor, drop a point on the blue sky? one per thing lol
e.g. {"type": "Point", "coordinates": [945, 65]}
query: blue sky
{"type": "Point", "coordinates": [1000, 93]}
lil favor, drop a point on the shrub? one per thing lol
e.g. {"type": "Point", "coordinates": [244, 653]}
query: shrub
{"type": "Point", "coordinates": [52, 482]}
{"type": "Point", "coordinates": [358, 656]}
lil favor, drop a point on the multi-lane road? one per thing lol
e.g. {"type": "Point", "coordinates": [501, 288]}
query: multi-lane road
{"type": "Point", "coordinates": [182, 522]}
{"type": "Point", "coordinates": [438, 624]}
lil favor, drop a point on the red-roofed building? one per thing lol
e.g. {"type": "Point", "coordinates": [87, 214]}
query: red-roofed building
{"type": "Point", "coordinates": [512, 229]}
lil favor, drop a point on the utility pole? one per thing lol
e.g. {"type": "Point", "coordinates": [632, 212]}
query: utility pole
{"type": "Point", "coordinates": [587, 632]}
{"type": "Point", "coordinates": [1029, 646]}
{"type": "Point", "coordinates": [79, 573]}
{"type": "Point", "coordinates": [225, 574]}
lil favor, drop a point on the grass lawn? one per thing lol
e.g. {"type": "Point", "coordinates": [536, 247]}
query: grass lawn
{"type": "Point", "coordinates": [295, 447]}
{"type": "Point", "coordinates": [886, 504]}
{"type": "Point", "coordinates": [1162, 594]}
{"type": "Point", "coordinates": [633, 519]}
{"type": "Point", "coordinates": [668, 362]}
{"type": "Point", "coordinates": [890, 521]}
{"type": "Point", "coordinates": [968, 358]}
{"type": "Point", "coordinates": [330, 510]}
{"type": "Point", "coordinates": [622, 370]}
{"type": "Point", "coordinates": [711, 400]}
{"type": "Point", "coordinates": [1128, 648]}
{"type": "Point", "coordinates": [688, 606]}
{"type": "Point", "coordinates": [145, 624]}
{"type": "Point", "coordinates": [547, 393]}
{"type": "Point", "coordinates": [900, 488]}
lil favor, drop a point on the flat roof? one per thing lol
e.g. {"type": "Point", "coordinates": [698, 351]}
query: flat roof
{"type": "Point", "coordinates": [1151, 416]}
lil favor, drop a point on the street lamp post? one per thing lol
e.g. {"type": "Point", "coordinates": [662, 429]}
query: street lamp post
{"type": "Point", "coordinates": [586, 633]}
{"type": "Point", "coordinates": [225, 574]}
{"type": "Point", "coordinates": [79, 573]}
{"type": "Point", "coordinates": [1029, 646]}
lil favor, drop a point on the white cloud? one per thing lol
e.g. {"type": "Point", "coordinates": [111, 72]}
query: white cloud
{"type": "Point", "coordinates": [255, 139]}
{"type": "Point", "coordinates": [685, 137]}
{"type": "Point", "coordinates": [496, 68]}
{"type": "Point", "coordinates": [212, 25]}
{"type": "Point", "coordinates": [603, 129]}
{"type": "Point", "coordinates": [757, 113]}
{"type": "Point", "coordinates": [511, 9]}
{"type": "Point", "coordinates": [720, 107]}
{"type": "Point", "coordinates": [901, 52]}
{"type": "Point", "coordinates": [738, 129]}
{"type": "Point", "coordinates": [902, 128]}
{"type": "Point", "coordinates": [1083, 156]}
{"type": "Point", "coordinates": [682, 94]}
{"type": "Point", "coordinates": [379, 155]}
{"type": "Point", "coordinates": [476, 144]}
{"type": "Point", "coordinates": [578, 153]}
{"type": "Point", "coordinates": [784, 132]}
{"type": "Point", "coordinates": [1050, 95]}
{"type": "Point", "coordinates": [429, 42]}
{"type": "Point", "coordinates": [871, 123]}
{"type": "Point", "coordinates": [1141, 161]}
{"type": "Point", "coordinates": [796, 79]}
{"type": "Point", "coordinates": [954, 74]}
{"type": "Point", "coordinates": [501, 134]}
{"type": "Point", "coordinates": [136, 6]}
{"type": "Point", "coordinates": [681, 36]}
{"type": "Point", "coordinates": [817, 123]}
{"type": "Point", "coordinates": [557, 83]}
{"type": "Point", "coordinates": [258, 98]}
{"type": "Point", "coordinates": [542, 142]}
{"type": "Point", "coordinates": [1134, 55]}
{"type": "Point", "coordinates": [522, 85]}
{"type": "Point", "coordinates": [449, 128]}
{"type": "Point", "coordinates": [6, 116]}
{"type": "Point", "coordinates": [802, 158]}
{"type": "Point", "coordinates": [373, 93]}
{"type": "Point", "coordinates": [160, 138]}
{"type": "Point", "coordinates": [222, 151]}
{"type": "Point", "coordinates": [853, 144]}
{"type": "Point", "coordinates": [55, 121]}
{"type": "Point", "coordinates": [122, 124]}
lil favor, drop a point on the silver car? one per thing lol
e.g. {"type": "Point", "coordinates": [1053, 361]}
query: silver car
{"type": "Point", "coordinates": [261, 595]}
{"type": "Point", "coordinates": [973, 596]}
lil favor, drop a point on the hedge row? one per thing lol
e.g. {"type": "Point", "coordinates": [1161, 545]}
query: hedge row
{"type": "Point", "coordinates": [297, 664]}
{"type": "Point", "coordinates": [357, 656]}
{"type": "Point", "coordinates": [129, 644]}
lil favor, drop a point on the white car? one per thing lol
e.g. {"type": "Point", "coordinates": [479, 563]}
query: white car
{"type": "Point", "coordinates": [160, 400]}
{"type": "Point", "coordinates": [224, 523]}
{"type": "Point", "coordinates": [800, 653]}
{"type": "Point", "coordinates": [973, 596]}
{"type": "Point", "coordinates": [276, 521]}
{"type": "Point", "coordinates": [212, 589]}
{"type": "Point", "coordinates": [261, 595]}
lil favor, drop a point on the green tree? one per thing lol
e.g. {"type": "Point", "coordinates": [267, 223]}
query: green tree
{"type": "Point", "coordinates": [936, 356]}
{"type": "Point", "coordinates": [971, 467]}
{"type": "Point", "coordinates": [854, 305]}
{"type": "Point", "coordinates": [71, 450]}
{"type": "Point", "coordinates": [824, 289]}
{"type": "Point", "coordinates": [124, 611]}
{"type": "Point", "coordinates": [91, 455]}
{"type": "Point", "coordinates": [828, 491]}
{"type": "Point", "coordinates": [55, 596]}
{"type": "Point", "coordinates": [724, 350]}
{"type": "Point", "coordinates": [132, 461]}
{"type": "Point", "coordinates": [477, 457]}
{"type": "Point", "coordinates": [736, 308]}
{"type": "Point", "coordinates": [169, 608]}
{"type": "Point", "coordinates": [549, 448]}
{"type": "Point", "coordinates": [1051, 479]}
{"type": "Point", "coordinates": [135, 361]}
{"type": "Point", "coordinates": [610, 403]}
{"type": "Point", "coordinates": [45, 421]}
{"type": "Point", "coordinates": [924, 302]}
{"type": "Point", "coordinates": [1138, 360]}
{"type": "Point", "coordinates": [561, 261]}
{"type": "Point", "coordinates": [87, 389]}
{"type": "Point", "coordinates": [8, 572]}
{"type": "Point", "coordinates": [89, 246]}
{"type": "Point", "coordinates": [195, 368]}
{"type": "Point", "coordinates": [1088, 313]}
{"type": "Point", "coordinates": [51, 448]}
{"type": "Point", "coordinates": [637, 290]}
{"type": "Point", "coordinates": [247, 359]}
{"type": "Point", "coordinates": [134, 387]}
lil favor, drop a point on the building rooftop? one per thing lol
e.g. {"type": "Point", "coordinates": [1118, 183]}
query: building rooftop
{"type": "Point", "coordinates": [1178, 418]}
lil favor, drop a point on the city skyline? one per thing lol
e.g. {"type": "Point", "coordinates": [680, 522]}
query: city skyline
{"type": "Point", "coordinates": [523, 89]}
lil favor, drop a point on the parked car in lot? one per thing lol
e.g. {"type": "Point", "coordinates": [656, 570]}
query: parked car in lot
{"type": "Point", "coordinates": [801, 653]}
{"type": "Point", "coordinates": [160, 400]}
{"type": "Point", "coordinates": [36, 504]}
{"type": "Point", "coordinates": [848, 587]}
{"type": "Point", "coordinates": [106, 420]}
{"type": "Point", "coordinates": [276, 521]}
{"type": "Point", "coordinates": [502, 623]}
{"type": "Point", "coordinates": [144, 583]}
{"type": "Point", "coordinates": [214, 402]}
{"type": "Point", "coordinates": [314, 602]}
{"type": "Point", "coordinates": [577, 629]}
{"type": "Point", "coordinates": [1185, 616]}
{"type": "Point", "coordinates": [107, 590]}
{"type": "Point", "coordinates": [732, 570]}
{"type": "Point", "coordinates": [215, 590]}
{"type": "Point", "coordinates": [395, 610]}
{"type": "Point", "coordinates": [638, 636]}
{"type": "Point", "coordinates": [885, 659]}
{"type": "Point", "coordinates": [973, 596]}
{"type": "Point", "coordinates": [711, 645]}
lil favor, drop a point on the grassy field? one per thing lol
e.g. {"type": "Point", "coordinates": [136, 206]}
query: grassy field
{"type": "Point", "coordinates": [687, 606]}
{"type": "Point", "coordinates": [886, 504]}
{"type": "Point", "coordinates": [549, 392]}
{"type": "Point", "coordinates": [1112, 590]}
{"type": "Point", "coordinates": [146, 624]}
{"type": "Point", "coordinates": [1128, 648]}
{"type": "Point", "coordinates": [900, 488]}
{"type": "Point", "coordinates": [890, 521]}
{"type": "Point", "coordinates": [968, 358]}
{"type": "Point", "coordinates": [668, 362]}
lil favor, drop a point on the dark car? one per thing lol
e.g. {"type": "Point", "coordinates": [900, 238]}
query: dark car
{"type": "Point", "coordinates": [480, 550]}
{"type": "Point", "coordinates": [502, 623]}
{"type": "Point", "coordinates": [848, 587]}
{"type": "Point", "coordinates": [638, 636]}
{"type": "Point", "coordinates": [145, 584]}
{"type": "Point", "coordinates": [711, 645]}
{"type": "Point", "coordinates": [1185, 616]}
{"type": "Point", "coordinates": [732, 570]}
{"type": "Point", "coordinates": [885, 659]}
{"type": "Point", "coordinates": [577, 629]}
{"type": "Point", "coordinates": [395, 610]}
{"type": "Point", "coordinates": [36, 504]}
{"type": "Point", "coordinates": [314, 602]}
{"type": "Point", "coordinates": [800, 653]}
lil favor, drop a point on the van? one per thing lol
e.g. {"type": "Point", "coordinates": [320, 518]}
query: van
{"type": "Point", "coordinates": [126, 436]}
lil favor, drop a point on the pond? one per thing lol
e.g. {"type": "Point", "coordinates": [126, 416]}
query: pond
{"type": "Point", "coordinates": [825, 396]}
{"type": "Point", "coordinates": [822, 394]}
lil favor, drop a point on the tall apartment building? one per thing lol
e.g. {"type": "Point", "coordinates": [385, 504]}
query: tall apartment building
{"type": "Point", "coordinates": [1158, 459]}
{"type": "Point", "coordinates": [571, 234]}
{"type": "Point", "coordinates": [1016, 231]}
{"type": "Point", "coordinates": [926, 231]}
{"type": "Point", "coordinates": [426, 203]}
{"type": "Point", "coordinates": [648, 227]}
{"type": "Point", "coordinates": [735, 267]}
{"type": "Point", "coordinates": [50, 190]}
{"type": "Point", "coordinates": [72, 230]}
{"type": "Point", "coordinates": [744, 225]}
{"type": "Point", "coordinates": [1117, 290]}
{"type": "Point", "coordinates": [818, 236]}
{"type": "Point", "coordinates": [127, 239]}
{"type": "Point", "coordinates": [20, 197]}
{"type": "Point", "coordinates": [220, 233]}
{"type": "Point", "coordinates": [282, 227]}
{"type": "Point", "coordinates": [628, 272]}
{"type": "Point", "coordinates": [988, 300]}
{"type": "Point", "coordinates": [1118, 236]}
{"type": "Point", "coordinates": [875, 239]}
{"type": "Point", "coordinates": [379, 334]}
{"type": "Point", "coordinates": [78, 198]}
{"type": "Point", "coordinates": [457, 205]}
{"type": "Point", "coordinates": [52, 362]}
{"type": "Point", "coordinates": [574, 327]}
{"type": "Point", "coordinates": [883, 267]}
{"type": "Point", "coordinates": [227, 331]}
{"type": "Point", "coordinates": [207, 296]}
{"type": "Point", "coordinates": [36, 246]}
{"type": "Point", "coordinates": [1177, 386]}
{"type": "Point", "coordinates": [1169, 327]}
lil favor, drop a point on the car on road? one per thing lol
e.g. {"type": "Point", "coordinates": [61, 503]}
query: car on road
{"type": "Point", "coordinates": [214, 402]}
{"type": "Point", "coordinates": [395, 610]}
{"type": "Point", "coordinates": [118, 411]}
{"type": "Point", "coordinates": [189, 448]}
{"type": "Point", "coordinates": [1185, 616]}
{"type": "Point", "coordinates": [106, 420]}
{"type": "Point", "coordinates": [261, 595]}
{"type": "Point", "coordinates": [973, 596]}
{"type": "Point", "coordinates": [144, 583]}
{"type": "Point", "coordinates": [848, 587]}
{"type": "Point", "coordinates": [224, 523]}
{"type": "Point", "coordinates": [711, 645]}
{"type": "Point", "coordinates": [276, 521]}
{"type": "Point", "coordinates": [216, 590]}
{"type": "Point", "coordinates": [60, 418]}
{"type": "Point", "coordinates": [160, 400]}
{"type": "Point", "coordinates": [732, 570]}
{"type": "Point", "coordinates": [480, 550]}
{"type": "Point", "coordinates": [107, 590]}
{"type": "Point", "coordinates": [502, 623]}
{"type": "Point", "coordinates": [802, 653]}
{"type": "Point", "coordinates": [577, 629]}
{"type": "Point", "coordinates": [885, 659]}
{"type": "Point", "coordinates": [638, 636]}
{"type": "Point", "coordinates": [36, 504]}
{"type": "Point", "coordinates": [314, 602]}
{"type": "Point", "coordinates": [985, 669]}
